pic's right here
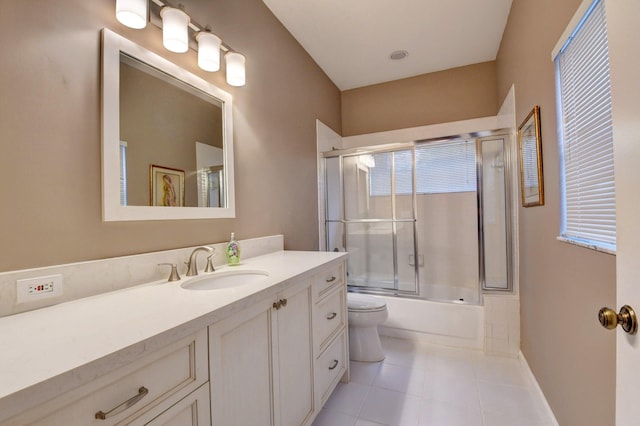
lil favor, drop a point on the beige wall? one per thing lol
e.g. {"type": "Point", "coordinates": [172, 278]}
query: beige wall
{"type": "Point", "coordinates": [562, 286]}
{"type": "Point", "coordinates": [50, 132]}
{"type": "Point", "coordinates": [440, 97]}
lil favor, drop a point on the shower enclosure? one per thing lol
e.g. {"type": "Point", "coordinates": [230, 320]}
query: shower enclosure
{"type": "Point", "coordinates": [426, 219]}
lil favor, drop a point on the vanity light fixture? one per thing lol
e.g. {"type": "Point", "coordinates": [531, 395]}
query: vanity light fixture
{"type": "Point", "coordinates": [208, 50]}
{"type": "Point", "coordinates": [132, 13]}
{"type": "Point", "coordinates": [175, 29]}
{"type": "Point", "coordinates": [235, 69]}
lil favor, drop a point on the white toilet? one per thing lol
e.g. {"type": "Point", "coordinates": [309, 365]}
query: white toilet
{"type": "Point", "coordinates": [365, 313]}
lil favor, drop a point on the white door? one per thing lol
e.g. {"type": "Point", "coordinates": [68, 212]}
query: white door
{"type": "Point", "coordinates": [624, 53]}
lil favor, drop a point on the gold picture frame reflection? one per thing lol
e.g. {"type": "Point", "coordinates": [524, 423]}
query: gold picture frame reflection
{"type": "Point", "coordinates": [166, 186]}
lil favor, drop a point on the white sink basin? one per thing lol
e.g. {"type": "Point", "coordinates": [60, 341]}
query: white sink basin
{"type": "Point", "coordinates": [225, 279]}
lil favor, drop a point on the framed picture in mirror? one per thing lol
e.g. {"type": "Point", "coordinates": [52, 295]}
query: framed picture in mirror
{"type": "Point", "coordinates": [530, 147]}
{"type": "Point", "coordinates": [167, 186]}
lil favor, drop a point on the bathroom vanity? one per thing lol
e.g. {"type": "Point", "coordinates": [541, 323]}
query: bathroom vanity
{"type": "Point", "coordinates": [267, 352]}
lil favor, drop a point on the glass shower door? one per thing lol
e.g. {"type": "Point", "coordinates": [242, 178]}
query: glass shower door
{"type": "Point", "coordinates": [377, 225]}
{"type": "Point", "coordinates": [495, 226]}
{"type": "Point", "coordinates": [446, 198]}
{"type": "Point", "coordinates": [428, 219]}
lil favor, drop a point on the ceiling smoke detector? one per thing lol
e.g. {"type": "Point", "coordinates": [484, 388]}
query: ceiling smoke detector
{"type": "Point", "coordinates": [398, 55]}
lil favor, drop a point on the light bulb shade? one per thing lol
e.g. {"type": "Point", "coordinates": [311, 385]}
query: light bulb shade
{"type": "Point", "coordinates": [235, 69]}
{"type": "Point", "coordinates": [175, 29]}
{"type": "Point", "coordinates": [132, 13]}
{"type": "Point", "coordinates": [208, 51]}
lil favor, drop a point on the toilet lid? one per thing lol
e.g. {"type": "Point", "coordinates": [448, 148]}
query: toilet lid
{"type": "Point", "coordinates": [358, 302]}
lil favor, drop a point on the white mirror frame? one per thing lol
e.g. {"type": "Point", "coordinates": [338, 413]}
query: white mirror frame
{"type": "Point", "coordinates": [112, 45]}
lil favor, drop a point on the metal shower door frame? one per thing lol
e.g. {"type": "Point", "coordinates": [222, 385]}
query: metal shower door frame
{"type": "Point", "coordinates": [392, 148]}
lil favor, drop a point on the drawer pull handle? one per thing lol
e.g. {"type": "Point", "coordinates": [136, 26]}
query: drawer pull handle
{"type": "Point", "coordinates": [279, 304]}
{"type": "Point", "coordinates": [142, 392]}
{"type": "Point", "coordinates": [334, 364]}
{"type": "Point", "coordinates": [330, 280]}
{"type": "Point", "coordinates": [332, 315]}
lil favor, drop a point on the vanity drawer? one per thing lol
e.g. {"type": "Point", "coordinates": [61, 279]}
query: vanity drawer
{"type": "Point", "coordinates": [192, 410]}
{"type": "Point", "coordinates": [149, 386]}
{"type": "Point", "coordinates": [327, 280]}
{"type": "Point", "coordinates": [330, 367]}
{"type": "Point", "coordinates": [329, 318]}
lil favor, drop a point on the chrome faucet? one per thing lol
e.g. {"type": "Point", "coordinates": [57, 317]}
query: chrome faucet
{"type": "Point", "coordinates": [192, 264]}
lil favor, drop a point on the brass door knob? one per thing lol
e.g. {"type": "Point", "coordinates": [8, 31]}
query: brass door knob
{"type": "Point", "coordinates": [626, 318]}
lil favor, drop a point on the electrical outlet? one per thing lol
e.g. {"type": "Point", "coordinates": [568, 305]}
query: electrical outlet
{"type": "Point", "coordinates": [32, 289]}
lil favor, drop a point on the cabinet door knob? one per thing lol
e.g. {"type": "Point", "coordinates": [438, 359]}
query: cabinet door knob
{"type": "Point", "coordinates": [330, 280]}
{"type": "Point", "coordinates": [280, 303]}
{"type": "Point", "coordinates": [142, 392]}
{"type": "Point", "coordinates": [334, 364]}
{"type": "Point", "coordinates": [332, 315]}
{"type": "Point", "coordinates": [626, 319]}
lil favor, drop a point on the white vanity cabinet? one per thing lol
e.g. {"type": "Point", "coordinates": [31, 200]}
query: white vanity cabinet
{"type": "Point", "coordinates": [330, 338]}
{"type": "Point", "coordinates": [262, 362]}
{"type": "Point", "coordinates": [275, 363]}
{"type": "Point", "coordinates": [247, 357]}
{"type": "Point", "coordinates": [168, 386]}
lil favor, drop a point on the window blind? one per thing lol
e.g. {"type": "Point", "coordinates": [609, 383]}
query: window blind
{"type": "Point", "coordinates": [123, 173]}
{"type": "Point", "coordinates": [446, 167]}
{"type": "Point", "coordinates": [586, 134]}
{"type": "Point", "coordinates": [440, 168]}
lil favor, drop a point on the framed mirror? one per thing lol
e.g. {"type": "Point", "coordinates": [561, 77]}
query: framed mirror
{"type": "Point", "coordinates": [167, 138]}
{"type": "Point", "coordinates": [530, 145]}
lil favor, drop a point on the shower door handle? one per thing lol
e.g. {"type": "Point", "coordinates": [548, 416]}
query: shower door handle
{"type": "Point", "coordinates": [626, 319]}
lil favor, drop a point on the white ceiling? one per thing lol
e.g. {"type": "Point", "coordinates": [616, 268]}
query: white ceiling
{"type": "Point", "coordinates": [351, 40]}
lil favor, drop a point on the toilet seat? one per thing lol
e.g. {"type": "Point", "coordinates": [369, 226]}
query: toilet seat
{"type": "Point", "coordinates": [360, 303]}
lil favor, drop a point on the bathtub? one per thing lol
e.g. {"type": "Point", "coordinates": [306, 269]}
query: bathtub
{"type": "Point", "coordinates": [451, 324]}
{"type": "Point", "coordinates": [446, 293]}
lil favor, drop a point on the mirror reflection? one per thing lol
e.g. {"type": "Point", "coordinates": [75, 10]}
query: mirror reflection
{"type": "Point", "coordinates": [171, 146]}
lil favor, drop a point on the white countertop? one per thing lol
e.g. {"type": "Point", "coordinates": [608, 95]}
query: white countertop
{"type": "Point", "coordinates": [64, 346]}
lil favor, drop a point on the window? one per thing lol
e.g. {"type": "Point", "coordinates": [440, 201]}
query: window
{"type": "Point", "coordinates": [123, 173]}
{"type": "Point", "coordinates": [586, 134]}
{"type": "Point", "coordinates": [441, 167]}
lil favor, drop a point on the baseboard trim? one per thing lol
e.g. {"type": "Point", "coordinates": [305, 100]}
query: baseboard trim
{"type": "Point", "coordinates": [538, 390]}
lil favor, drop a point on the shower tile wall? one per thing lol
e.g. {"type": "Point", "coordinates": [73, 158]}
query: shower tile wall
{"type": "Point", "coordinates": [502, 325]}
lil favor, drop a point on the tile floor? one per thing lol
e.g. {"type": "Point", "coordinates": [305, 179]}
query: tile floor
{"type": "Point", "coordinates": [419, 384]}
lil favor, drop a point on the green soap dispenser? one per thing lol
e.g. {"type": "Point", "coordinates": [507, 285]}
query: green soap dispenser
{"type": "Point", "coordinates": [233, 251]}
